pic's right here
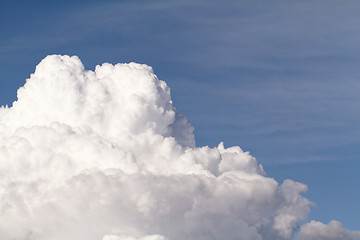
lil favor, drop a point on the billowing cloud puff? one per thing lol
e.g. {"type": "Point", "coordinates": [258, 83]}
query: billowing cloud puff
{"type": "Point", "coordinates": [104, 155]}
{"type": "Point", "coordinates": [333, 231]}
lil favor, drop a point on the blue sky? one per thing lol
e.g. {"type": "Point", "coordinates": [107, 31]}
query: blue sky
{"type": "Point", "coordinates": [278, 78]}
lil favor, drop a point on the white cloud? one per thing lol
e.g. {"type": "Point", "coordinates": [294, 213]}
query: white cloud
{"type": "Point", "coordinates": [332, 231]}
{"type": "Point", "coordinates": [149, 237]}
{"type": "Point", "coordinates": [104, 155]}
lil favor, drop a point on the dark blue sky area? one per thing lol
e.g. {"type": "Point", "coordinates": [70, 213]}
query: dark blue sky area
{"type": "Point", "coordinates": [281, 79]}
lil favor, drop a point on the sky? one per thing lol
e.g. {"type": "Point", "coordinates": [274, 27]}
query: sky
{"type": "Point", "coordinates": [280, 79]}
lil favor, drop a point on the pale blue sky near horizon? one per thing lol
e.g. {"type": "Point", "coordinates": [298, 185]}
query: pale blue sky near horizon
{"type": "Point", "coordinates": [278, 78]}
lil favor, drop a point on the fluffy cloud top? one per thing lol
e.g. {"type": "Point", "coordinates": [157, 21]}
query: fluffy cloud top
{"type": "Point", "coordinates": [104, 155]}
{"type": "Point", "coordinates": [333, 231]}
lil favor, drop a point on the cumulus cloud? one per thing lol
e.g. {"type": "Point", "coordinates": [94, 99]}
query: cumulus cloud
{"type": "Point", "coordinates": [332, 231]}
{"type": "Point", "coordinates": [104, 155]}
